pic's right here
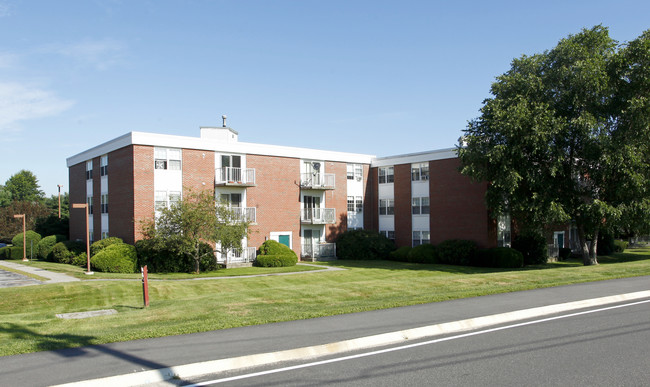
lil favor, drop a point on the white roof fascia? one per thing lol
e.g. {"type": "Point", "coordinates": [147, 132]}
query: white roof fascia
{"type": "Point", "coordinates": [441, 154]}
{"type": "Point", "coordinates": [173, 141]}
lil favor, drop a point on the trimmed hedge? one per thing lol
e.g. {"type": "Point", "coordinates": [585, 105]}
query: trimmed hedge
{"type": "Point", "coordinates": [363, 245]}
{"type": "Point", "coordinates": [5, 252]}
{"type": "Point", "coordinates": [400, 255]}
{"type": "Point", "coordinates": [100, 245]}
{"type": "Point", "coordinates": [276, 260]}
{"type": "Point", "coordinates": [116, 258]}
{"type": "Point", "coordinates": [456, 252]}
{"type": "Point", "coordinates": [166, 257]}
{"type": "Point", "coordinates": [499, 257]}
{"type": "Point", "coordinates": [620, 246]}
{"type": "Point", "coordinates": [64, 252]}
{"type": "Point", "coordinates": [533, 246]}
{"type": "Point", "coordinates": [425, 253]}
{"type": "Point", "coordinates": [46, 244]}
{"type": "Point", "coordinates": [17, 252]}
{"type": "Point", "coordinates": [31, 239]}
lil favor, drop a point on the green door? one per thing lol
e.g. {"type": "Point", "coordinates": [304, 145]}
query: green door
{"type": "Point", "coordinates": [284, 239]}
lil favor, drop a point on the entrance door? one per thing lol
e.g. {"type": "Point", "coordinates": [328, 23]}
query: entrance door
{"type": "Point", "coordinates": [559, 239]}
{"type": "Point", "coordinates": [284, 239]}
{"type": "Point", "coordinates": [311, 240]}
{"type": "Point", "coordinates": [231, 167]}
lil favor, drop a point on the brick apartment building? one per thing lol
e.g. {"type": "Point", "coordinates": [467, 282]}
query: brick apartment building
{"type": "Point", "coordinates": [300, 197]}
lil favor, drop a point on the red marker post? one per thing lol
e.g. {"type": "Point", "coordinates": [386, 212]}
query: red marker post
{"type": "Point", "coordinates": [145, 285]}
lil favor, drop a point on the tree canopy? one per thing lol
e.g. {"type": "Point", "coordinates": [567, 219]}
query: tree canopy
{"type": "Point", "coordinates": [566, 137]}
{"type": "Point", "coordinates": [23, 187]}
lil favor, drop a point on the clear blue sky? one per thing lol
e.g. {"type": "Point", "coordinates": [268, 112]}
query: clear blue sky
{"type": "Point", "coordinates": [376, 77]}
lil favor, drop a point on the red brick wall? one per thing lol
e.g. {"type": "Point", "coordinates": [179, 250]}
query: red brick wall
{"type": "Point", "coordinates": [121, 194]}
{"type": "Point", "coordinates": [402, 192]}
{"type": "Point", "coordinates": [198, 170]}
{"type": "Point", "coordinates": [337, 199]}
{"type": "Point", "coordinates": [276, 197]}
{"type": "Point", "coordinates": [77, 192]}
{"type": "Point", "coordinates": [457, 203]}
{"type": "Point", "coordinates": [143, 188]}
{"type": "Point", "coordinates": [371, 204]}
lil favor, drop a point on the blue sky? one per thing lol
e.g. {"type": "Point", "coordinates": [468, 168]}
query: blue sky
{"type": "Point", "coordinates": [375, 77]}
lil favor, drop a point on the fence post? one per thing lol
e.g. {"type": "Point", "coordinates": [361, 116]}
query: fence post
{"type": "Point", "coordinates": [145, 285]}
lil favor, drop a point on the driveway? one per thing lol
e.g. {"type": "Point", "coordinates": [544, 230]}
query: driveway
{"type": "Point", "coordinates": [11, 279]}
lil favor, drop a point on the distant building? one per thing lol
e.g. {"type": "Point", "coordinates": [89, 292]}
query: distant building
{"type": "Point", "coordinates": [303, 198]}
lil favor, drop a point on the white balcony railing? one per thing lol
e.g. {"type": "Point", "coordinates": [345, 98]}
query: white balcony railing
{"type": "Point", "coordinates": [317, 180]}
{"type": "Point", "coordinates": [318, 215]}
{"type": "Point", "coordinates": [235, 176]}
{"type": "Point", "coordinates": [243, 255]}
{"type": "Point", "coordinates": [318, 250]}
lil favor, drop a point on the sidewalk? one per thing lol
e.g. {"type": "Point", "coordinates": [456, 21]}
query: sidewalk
{"type": "Point", "coordinates": [52, 277]}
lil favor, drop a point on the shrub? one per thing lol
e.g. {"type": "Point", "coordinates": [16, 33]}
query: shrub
{"type": "Point", "coordinates": [16, 252]}
{"type": "Point", "coordinates": [167, 256]}
{"type": "Point", "coordinates": [46, 244]}
{"type": "Point", "coordinates": [5, 252]}
{"type": "Point", "coordinates": [99, 245]}
{"type": "Point", "coordinates": [620, 246]}
{"type": "Point", "coordinates": [564, 253]}
{"type": "Point", "coordinates": [401, 254]}
{"type": "Point", "coordinates": [606, 244]}
{"type": "Point", "coordinates": [31, 239]}
{"type": "Point", "coordinates": [64, 252]}
{"type": "Point", "coordinates": [425, 253]}
{"type": "Point", "coordinates": [79, 260]}
{"type": "Point", "coordinates": [533, 246]}
{"type": "Point", "coordinates": [116, 258]}
{"type": "Point", "coordinates": [456, 252]}
{"type": "Point", "coordinates": [363, 245]}
{"type": "Point", "coordinates": [276, 260]}
{"type": "Point", "coordinates": [499, 257]}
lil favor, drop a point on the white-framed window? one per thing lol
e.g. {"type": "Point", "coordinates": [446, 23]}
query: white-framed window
{"type": "Point", "coordinates": [89, 169]}
{"type": "Point", "coordinates": [386, 175]}
{"type": "Point", "coordinates": [420, 206]}
{"type": "Point", "coordinates": [503, 231]}
{"type": "Point", "coordinates": [355, 171]}
{"type": "Point", "coordinates": [350, 171]}
{"type": "Point", "coordinates": [386, 207]}
{"type": "Point", "coordinates": [355, 204]}
{"type": "Point", "coordinates": [390, 234]}
{"type": "Point", "coordinates": [104, 203]}
{"type": "Point", "coordinates": [421, 237]}
{"type": "Point", "coordinates": [167, 158]}
{"type": "Point", "coordinates": [89, 201]}
{"type": "Point", "coordinates": [164, 199]}
{"type": "Point", "coordinates": [104, 234]}
{"type": "Point", "coordinates": [420, 172]}
{"type": "Point", "coordinates": [103, 165]}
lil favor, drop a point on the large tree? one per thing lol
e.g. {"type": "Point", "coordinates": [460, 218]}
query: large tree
{"type": "Point", "coordinates": [195, 220]}
{"type": "Point", "coordinates": [23, 187]}
{"type": "Point", "coordinates": [565, 137]}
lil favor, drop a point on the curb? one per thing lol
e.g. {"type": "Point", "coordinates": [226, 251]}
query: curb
{"type": "Point", "coordinates": [235, 363]}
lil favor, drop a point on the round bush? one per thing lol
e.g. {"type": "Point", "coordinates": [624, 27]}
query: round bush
{"type": "Point", "coordinates": [276, 260]}
{"type": "Point", "coordinates": [46, 244]}
{"type": "Point", "coordinates": [272, 247]}
{"type": "Point", "coordinates": [31, 239]}
{"type": "Point", "coordinates": [401, 254]}
{"type": "Point", "coordinates": [117, 258]}
{"type": "Point", "coordinates": [363, 245]}
{"type": "Point", "coordinates": [99, 245]}
{"type": "Point", "coordinates": [5, 252]}
{"type": "Point", "coordinates": [425, 253]}
{"type": "Point", "coordinates": [499, 257]}
{"type": "Point", "coordinates": [456, 252]}
{"type": "Point", "coordinates": [64, 252]}
{"type": "Point", "coordinates": [620, 246]}
{"type": "Point", "coordinates": [533, 246]}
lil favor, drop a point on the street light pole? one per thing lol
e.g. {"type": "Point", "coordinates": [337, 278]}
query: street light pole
{"type": "Point", "coordinates": [24, 236]}
{"type": "Point", "coordinates": [85, 205]}
{"type": "Point", "coordinates": [59, 185]}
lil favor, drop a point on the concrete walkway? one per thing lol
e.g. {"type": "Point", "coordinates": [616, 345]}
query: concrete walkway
{"type": "Point", "coordinates": [8, 279]}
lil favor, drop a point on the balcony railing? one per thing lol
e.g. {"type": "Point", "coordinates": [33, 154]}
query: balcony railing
{"type": "Point", "coordinates": [245, 214]}
{"type": "Point", "coordinates": [317, 180]}
{"type": "Point", "coordinates": [243, 255]}
{"type": "Point", "coordinates": [230, 176]}
{"type": "Point", "coordinates": [318, 215]}
{"type": "Point", "coordinates": [318, 250]}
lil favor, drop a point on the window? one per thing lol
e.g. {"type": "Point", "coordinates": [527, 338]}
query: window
{"type": "Point", "coordinates": [386, 175]}
{"type": "Point", "coordinates": [355, 204]}
{"type": "Point", "coordinates": [104, 234]}
{"type": "Point", "coordinates": [89, 201]}
{"type": "Point", "coordinates": [104, 203]}
{"type": "Point", "coordinates": [420, 172]}
{"type": "Point", "coordinates": [388, 234]}
{"type": "Point", "coordinates": [350, 173]}
{"type": "Point", "coordinates": [167, 158]}
{"type": "Point", "coordinates": [103, 168]}
{"type": "Point", "coordinates": [164, 199]}
{"type": "Point", "coordinates": [350, 203]}
{"type": "Point", "coordinates": [355, 171]}
{"type": "Point", "coordinates": [174, 197]}
{"type": "Point", "coordinates": [89, 169]}
{"type": "Point", "coordinates": [503, 231]}
{"type": "Point", "coordinates": [420, 206]}
{"type": "Point", "coordinates": [421, 238]}
{"type": "Point", "coordinates": [231, 200]}
{"type": "Point", "coordinates": [359, 204]}
{"type": "Point", "coordinates": [386, 207]}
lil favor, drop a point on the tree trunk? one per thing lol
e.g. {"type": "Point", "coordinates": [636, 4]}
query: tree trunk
{"type": "Point", "coordinates": [588, 250]}
{"type": "Point", "coordinates": [197, 258]}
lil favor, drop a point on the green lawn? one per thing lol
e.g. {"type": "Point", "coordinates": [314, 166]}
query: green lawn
{"type": "Point", "coordinates": [28, 321]}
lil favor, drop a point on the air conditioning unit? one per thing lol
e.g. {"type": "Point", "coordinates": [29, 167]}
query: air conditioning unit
{"type": "Point", "coordinates": [316, 166]}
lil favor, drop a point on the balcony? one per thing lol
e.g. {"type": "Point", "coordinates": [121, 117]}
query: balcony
{"type": "Point", "coordinates": [245, 214]}
{"type": "Point", "coordinates": [238, 257]}
{"type": "Point", "coordinates": [235, 177]}
{"type": "Point", "coordinates": [316, 251]}
{"type": "Point", "coordinates": [318, 216]}
{"type": "Point", "coordinates": [317, 180]}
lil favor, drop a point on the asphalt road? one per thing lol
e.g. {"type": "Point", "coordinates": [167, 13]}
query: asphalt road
{"type": "Point", "coordinates": [79, 364]}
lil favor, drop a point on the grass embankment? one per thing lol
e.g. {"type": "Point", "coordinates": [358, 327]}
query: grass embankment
{"type": "Point", "coordinates": [28, 321]}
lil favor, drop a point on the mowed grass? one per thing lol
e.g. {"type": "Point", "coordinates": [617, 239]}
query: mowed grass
{"type": "Point", "coordinates": [28, 322]}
